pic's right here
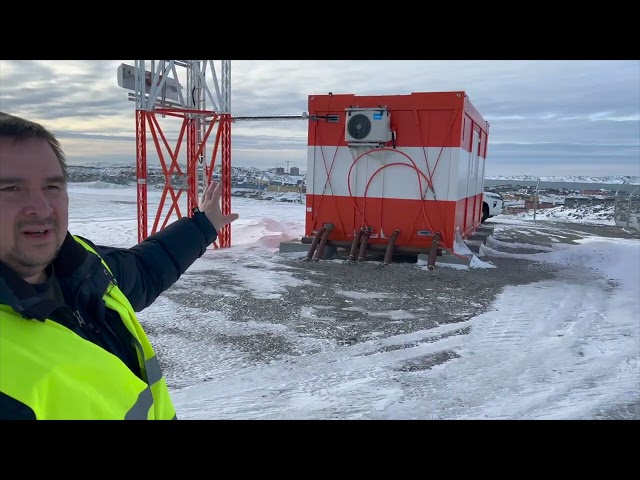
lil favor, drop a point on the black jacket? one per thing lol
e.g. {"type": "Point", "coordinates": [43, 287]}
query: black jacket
{"type": "Point", "coordinates": [142, 272]}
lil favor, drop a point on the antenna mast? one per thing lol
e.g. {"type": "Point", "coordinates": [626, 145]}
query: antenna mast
{"type": "Point", "coordinates": [194, 112]}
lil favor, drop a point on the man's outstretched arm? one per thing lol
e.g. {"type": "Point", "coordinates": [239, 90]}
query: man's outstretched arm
{"type": "Point", "coordinates": [146, 270]}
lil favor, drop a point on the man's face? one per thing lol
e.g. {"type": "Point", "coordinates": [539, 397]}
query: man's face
{"type": "Point", "coordinates": [34, 206]}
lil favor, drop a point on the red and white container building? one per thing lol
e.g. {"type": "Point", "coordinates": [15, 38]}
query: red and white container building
{"type": "Point", "coordinates": [410, 164]}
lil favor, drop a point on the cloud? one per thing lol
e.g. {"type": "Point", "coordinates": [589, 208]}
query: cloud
{"type": "Point", "coordinates": [544, 114]}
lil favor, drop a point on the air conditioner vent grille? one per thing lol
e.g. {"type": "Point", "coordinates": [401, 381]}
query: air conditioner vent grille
{"type": "Point", "coordinates": [367, 126]}
{"type": "Point", "coordinates": [359, 126]}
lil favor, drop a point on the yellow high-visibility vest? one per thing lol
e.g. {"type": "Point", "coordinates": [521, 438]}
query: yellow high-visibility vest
{"type": "Point", "coordinates": [60, 375]}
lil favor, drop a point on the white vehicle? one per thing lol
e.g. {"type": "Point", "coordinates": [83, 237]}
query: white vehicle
{"type": "Point", "coordinates": [492, 205]}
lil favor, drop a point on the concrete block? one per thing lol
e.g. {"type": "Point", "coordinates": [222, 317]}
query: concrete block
{"type": "Point", "coordinates": [474, 245]}
{"type": "Point", "coordinates": [295, 246]}
{"type": "Point", "coordinates": [481, 235]}
{"type": "Point", "coordinates": [446, 258]}
{"type": "Point", "coordinates": [485, 229]}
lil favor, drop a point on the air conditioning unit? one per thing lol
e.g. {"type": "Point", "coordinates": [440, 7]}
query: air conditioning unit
{"type": "Point", "coordinates": [367, 125]}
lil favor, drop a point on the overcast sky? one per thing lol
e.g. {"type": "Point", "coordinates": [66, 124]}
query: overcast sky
{"type": "Point", "coordinates": [547, 117]}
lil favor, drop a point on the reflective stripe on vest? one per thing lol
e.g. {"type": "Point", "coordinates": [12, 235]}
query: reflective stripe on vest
{"type": "Point", "coordinates": [141, 407]}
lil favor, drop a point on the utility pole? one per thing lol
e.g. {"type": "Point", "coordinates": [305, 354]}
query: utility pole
{"type": "Point", "coordinates": [535, 205]}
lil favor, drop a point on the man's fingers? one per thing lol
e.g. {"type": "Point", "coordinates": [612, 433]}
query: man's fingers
{"type": "Point", "coordinates": [214, 190]}
{"type": "Point", "coordinates": [209, 191]}
{"type": "Point", "coordinates": [232, 217]}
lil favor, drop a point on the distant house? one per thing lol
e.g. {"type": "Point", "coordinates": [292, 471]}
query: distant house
{"type": "Point", "coordinates": [540, 205]}
{"type": "Point", "coordinates": [576, 200]}
{"type": "Point", "coordinates": [597, 192]}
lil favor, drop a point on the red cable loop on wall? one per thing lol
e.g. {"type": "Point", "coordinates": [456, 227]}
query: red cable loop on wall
{"type": "Point", "coordinates": [415, 167]}
{"type": "Point", "coordinates": [419, 174]}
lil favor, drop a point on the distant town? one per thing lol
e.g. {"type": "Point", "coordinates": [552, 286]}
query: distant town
{"type": "Point", "coordinates": [278, 184]}
{"type": "Point", "coordinates": [518, 197]}
{"type": "Point", "coordinates": [245, 181]}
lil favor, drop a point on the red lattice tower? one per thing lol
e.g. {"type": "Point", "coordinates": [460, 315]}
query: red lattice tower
{"type": "Point", "coordinates": [172, 118]}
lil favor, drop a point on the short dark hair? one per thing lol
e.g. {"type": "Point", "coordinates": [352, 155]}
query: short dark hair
{"type": "Point", "coordinates": [20, 129]}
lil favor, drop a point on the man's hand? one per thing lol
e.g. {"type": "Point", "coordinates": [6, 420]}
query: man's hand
{"type": "Point", "coordinates": [210, 205]}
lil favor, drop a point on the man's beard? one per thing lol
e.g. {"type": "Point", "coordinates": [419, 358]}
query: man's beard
{"type": "Point", "coordinates": [27, 266]}
{"type": "Point", "coordinates": [23, 260]}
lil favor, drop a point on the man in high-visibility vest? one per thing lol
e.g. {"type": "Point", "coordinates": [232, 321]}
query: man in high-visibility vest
{"type": "Point", "coordinates": [71, 346]}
